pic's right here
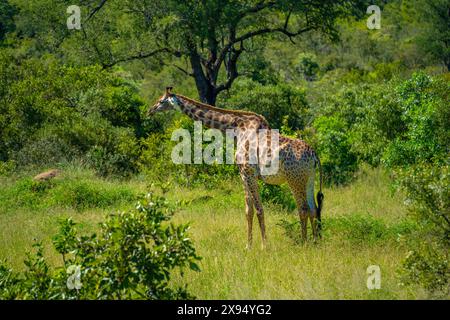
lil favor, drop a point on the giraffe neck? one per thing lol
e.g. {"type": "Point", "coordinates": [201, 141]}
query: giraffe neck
{"type": "Point", "coordinates": [211, 117]}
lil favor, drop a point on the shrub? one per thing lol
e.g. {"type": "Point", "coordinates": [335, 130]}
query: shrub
{"type": "Point", "coordinates": [132, 257]}
{"type": "Point", "coordinates": [6, 167]}
{"type": "Point", "coordinates": [79, 194]}
{"type": "Point", "coordinates": [279, 195]}
{"type": "Point", "coordinates": [358, 228]}
{"type": "Point", "coordinates": [51, 113]}
{"type": "Point", "coordinates": [425, 114]}
{"type": "Point", "coordinates": [274, 102]}
{"type": "Point", "coordinates": [48, 149]}
{"type": "Point", "coordinates": [84, 195]}
{"type": "Point", "coordinates": [427, 262]}
{"type": "Point", "coordinates": [333, 145]}
{"type": "Point", "coordinates": [307, 66]}
{"type": "Point", "coordinates": [156, 158]}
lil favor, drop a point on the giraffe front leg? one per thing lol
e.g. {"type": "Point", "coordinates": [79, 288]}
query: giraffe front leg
{"type": "Point", "coordinates": [259, 210]}
{"type": "Point", "coordinates": [252, 193]}
{"type": "Point", "coordinates": [249, 214]}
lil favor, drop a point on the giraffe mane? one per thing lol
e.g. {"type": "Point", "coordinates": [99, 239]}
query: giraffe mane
{"type": "Point", "coordinates": [228, 111]}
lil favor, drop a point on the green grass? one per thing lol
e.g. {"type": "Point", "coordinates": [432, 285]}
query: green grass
{"type": "Point", "coordinates": [362, 224]}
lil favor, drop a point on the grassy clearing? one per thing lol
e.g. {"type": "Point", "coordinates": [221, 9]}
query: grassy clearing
{"type": "Point", "coordinates": [362, 225]}
{"type": "Point", "coordinates": [30, 210]}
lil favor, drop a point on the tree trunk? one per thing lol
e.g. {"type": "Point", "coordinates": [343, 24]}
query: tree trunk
{"type": "Point", "coordinates": [206, 90]}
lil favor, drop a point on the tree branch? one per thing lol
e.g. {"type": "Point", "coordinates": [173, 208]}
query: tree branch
{"type": "Point", "coordinates": [258, 7]}
{"type": "Point", "coordinates": [96, 9]}
{"type": "Point", "coordinates": [231, 67]}
{"type": "Point", "coordinates": [139, 56]}
{"type": "Point", "coordinates": [255, 33]}
{"type": "Point", "coordinates": [190, 74]}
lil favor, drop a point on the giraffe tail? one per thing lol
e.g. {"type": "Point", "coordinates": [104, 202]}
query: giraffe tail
{"type": "Point", "coordinates": [319, 198]}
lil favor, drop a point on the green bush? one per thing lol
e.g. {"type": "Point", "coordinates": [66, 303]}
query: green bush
{"type": "Point", "coordinates": [52, 113]}
{"type": "Point", "coordinates": [156, 158]}
{"type": "Point", "coordinates": [428, 197]}
{"type": "Point", "coordinates": [307, 66]}
{"type": "Point", "coordinates": [274, 102]}
{"type": "Point", "coordinates": [333, 145]}
{"type": "Point", "coordinates": [131, 257]}
{"type": "Point", "coordinates": [279, 195]}
{"type": "Point", "coordinates": [78, 194]}
{"type": "Point", "coordinates": [426, 117]}
{"type": "Point", "coordinates": [83, 195]}
{"type": "Point", "coordinates": [358, 228]}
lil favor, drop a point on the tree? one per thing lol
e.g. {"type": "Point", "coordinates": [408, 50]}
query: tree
{"type": "Point", "coordinates": [209, 35]}
{"type": "Point", "coordinates": [434, 19]}
{"type": "Point", "coordinates": [7, 12]}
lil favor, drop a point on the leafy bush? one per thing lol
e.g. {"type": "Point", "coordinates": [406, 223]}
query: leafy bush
{"type": "Point", "coordinates": [52, 113]}
{"type": "Point", "coordinates": [6, 167]}
{"type": "Point", "coordinates": [426, 118]}
{"type": "Point", "coordinates": [79, 194]}
{"type": "Point", "coordinates": [156, 158]}
{"type": "Point", "coordinates": [358, 228]}
{"type": "Point", "coordinates": [334, 147]}
{"type": "Point", "coordinates": [307, 66]}
{"type": "Point", "coordinates": [132, 257]}
{"type": "Point", "coordinates": [274, 102]}
{"type": "Point", "coordinates": [280, 195]}
{"type": "Point", "coordinates": [83, 195]}
{"type": "Point", "coordinates": [428, 197]}
{"type": "Point", "coordinates": [48, 149]}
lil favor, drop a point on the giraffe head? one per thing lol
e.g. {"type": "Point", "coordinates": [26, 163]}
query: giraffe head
{"type": "Point", "coordinates": [168, 101]}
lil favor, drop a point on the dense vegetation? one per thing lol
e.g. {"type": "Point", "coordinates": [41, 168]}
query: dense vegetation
{"type": "Point", "coordinates": [360, 97]}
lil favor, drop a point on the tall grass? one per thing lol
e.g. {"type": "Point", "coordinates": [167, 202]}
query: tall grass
{"type": "Point", "coordinates": [363, 225]}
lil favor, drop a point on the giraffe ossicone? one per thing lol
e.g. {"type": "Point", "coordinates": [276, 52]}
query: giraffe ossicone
{"type": "Point", "coordinates": [296, 160]}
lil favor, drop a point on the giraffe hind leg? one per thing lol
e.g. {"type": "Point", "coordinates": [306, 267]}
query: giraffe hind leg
{"type": "Point", "coordinates": [312, 206]}
{"type": "Point", "coordinates": [299, 192]}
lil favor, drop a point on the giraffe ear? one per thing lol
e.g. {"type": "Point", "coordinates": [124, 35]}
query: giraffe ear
{"type": "Point", "coordinates": [168, 89]}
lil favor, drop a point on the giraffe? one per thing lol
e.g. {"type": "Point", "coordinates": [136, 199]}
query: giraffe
{"type": "Point", "coordinates": [297, 162]}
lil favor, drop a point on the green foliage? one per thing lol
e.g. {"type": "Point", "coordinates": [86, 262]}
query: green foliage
{"type": "Point", "coordinates": [280, 195]}
{"type": "Point", "coordinates": [428, 197]}
{"type": "Point", "coordinates": [131, 257]}
{"type": "Point", "coordinates": [435, 35]}
{"type": "Point", "coordinates": [6, 167]}
{"type": "Point", "coordinates": [333, 144]}
{"type": "Point", "coordinates": [425, 116]}
{"type": "Point", "coordinates": [307, 66]}
{"type": "Point", "coordinates": [7, 12]}
{"type": "Point", "coordinates": [52, 113]}
{"type": "Point", "coordinates": [274, 102]}
{"type": "Point", "coordinates": [358, 229]}
{"type": "Point", "coordinates": [78, 194]}
{"type": "Point", "coordinates": [156, 158]}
